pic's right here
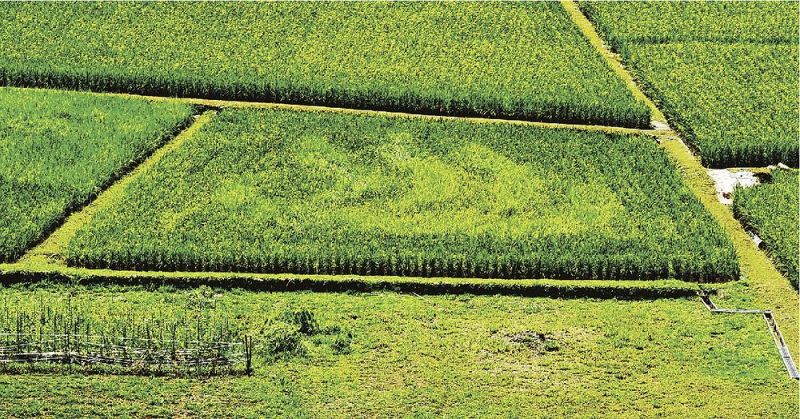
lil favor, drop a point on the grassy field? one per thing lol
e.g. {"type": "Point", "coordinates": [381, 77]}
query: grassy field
{"type": "Point", "coordinates": [57, 149]}
{"type": "Point", "coordinates": [724, 73]}
{"type": "Point", "coordinates": [490, 59]}
{"type": "Point", "coordinates": [306, 192]}
{"type": "Point", "coordinates": [391, 264]}
{"type": "Point", "coordinates": [771, 209]}
{"type": "Point", "coordinates": [436, 356]}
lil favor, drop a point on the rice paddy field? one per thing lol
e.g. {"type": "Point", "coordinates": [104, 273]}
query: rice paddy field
{"type": "Point", "coordinates": [285, 191]}
{"type": "Point", "coordinates": [771, 210]}
{"type": "Point", "coordinates": [433, 356]}
{"type": "Point", "coordinates": [725, 73]}
{"type": "Point", "coordinates": [511, 60]}
{"type": "Point", "coordinates": [397, 209]}
{"type": "Point", "coordinates": [58, 149]}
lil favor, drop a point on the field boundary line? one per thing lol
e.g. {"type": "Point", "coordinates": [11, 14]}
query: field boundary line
{"type": "Point", "coordinates": [40, 269]}
{"type": "Point", "coordinates": [613, 60]}
{"type": "Point", "coordinates": [52, 247]}
{"type": "Point", "coordinates": [772, 325]}
{"type": "Point", "coordinates": [768, 285]}
{"type": "Point", "coordinates": [234, 104]}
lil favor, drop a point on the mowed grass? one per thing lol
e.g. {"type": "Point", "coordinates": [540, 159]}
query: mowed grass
{"type": "Point", "coordinates": [451, 356]}
{"type": "Point", "coordinates": [320, 192]}
{"type": "Point", "coordinates": [488, 59]}
{"type": "Point", "coordinates": [772, 210]}
{"type": "Point", "coordinates": [725, 73]}
{"type": "Point", "coordinates": [57, 149]}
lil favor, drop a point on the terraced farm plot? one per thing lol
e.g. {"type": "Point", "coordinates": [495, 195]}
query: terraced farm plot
{"type": "Point", "coordinates": [58, 148]}
{"type": "Point", "coordinates": [490, 59]}
{"type": "Point", "coordinates": [450, 356]}
{"type": "Point", "coordinates": [352, 247]}
{"type": "Point", "coordinates": [311, 192]}
{"type": "Point", "coordinates": [727, 80]}
{"type": "Point", "coordinates": [737, 102]}
{"type": "Point", "coordinates": [731, 22]}
{"type": "Point", "coordinates": [772, 210]}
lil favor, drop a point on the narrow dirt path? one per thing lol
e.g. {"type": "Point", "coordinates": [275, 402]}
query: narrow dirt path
{"type": "Point", "coordinates": [769, 287]}
{"type": "Point", "coordinates": [50, 251]}
{"type": "Point", "coordinates": [659, 121]}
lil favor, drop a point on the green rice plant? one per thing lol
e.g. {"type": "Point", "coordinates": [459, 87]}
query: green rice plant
{"type": "Point", "coordinates": [661, 22]}
{"type": "Point", "coordinates": [319, 192]}
{"type": "Point", "coordinates": [772, 210]}
{"type": "Point", "coordinates": [58, 149]}
{"type": "Point", "coordinates": [280, 340]}
{"type": "Point", "coordinates": [342, 342]}
{"type": "Point", "coordinates": [725, 73]}
{"type": "Point", "coordinates": [736, 104]}
{"type": "Point", "coordinates": [304, 319]}
{"type": "Point", "coordinates": [496, 59]}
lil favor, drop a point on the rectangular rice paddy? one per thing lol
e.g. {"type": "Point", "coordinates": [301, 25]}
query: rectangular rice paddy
{"type": "Point", "coordinates": [725, 73]}
{"type": "Point", "coordinates": [763, 22]}
{"type": "Point", "coordinates": [319, 192]}
{"type": "Point", "coordinates": [771, 210]}
{"type": "Point", "coordinates": [57, 149]}
{"type": "Point", "coordinates": [512, 60]}
{"type": "Point", "coordinates": [280, 191]}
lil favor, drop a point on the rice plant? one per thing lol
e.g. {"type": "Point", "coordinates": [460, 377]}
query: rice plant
{"type": "Point", "coordinates": [772, 210]}
{"type": "Point", "coordinates": [725, 73]}
{"type": "Point", "coordinates": [123, 330]}
{"type": "Point", "coordinates": [309, 192]}
{"type": "Point", "coordinates": [626, 23]}
{"type": "Point", "coordinates": [57, 149]}
{"type": "Point", "coordinates": [497, 59]}
{"type": "Point", "coordinates": [121, 340]}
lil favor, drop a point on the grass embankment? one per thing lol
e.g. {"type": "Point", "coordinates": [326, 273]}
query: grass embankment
{"type": "Point", "coordinates": [34, 272]}
{"type": "Point", "coordinates": [478, 59]}
{"type": "Point", "coordinates": [58, 149]}
{"type": "Point", "coordinates": [771, 210]}
{"type": "Point", "coordinates": [306, 192]}
{"type": "Point", "coordinates": [762, 286]}
{"type": "Point", "coordinates": [437, 355]}
{"type": "Point", "coordinates": [724, 73]}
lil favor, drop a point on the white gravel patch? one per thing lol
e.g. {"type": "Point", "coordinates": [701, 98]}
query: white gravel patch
{"type": "Point", "coordinates": [659, 125]}
{"type": "Point", "coordinates": [726, 181]}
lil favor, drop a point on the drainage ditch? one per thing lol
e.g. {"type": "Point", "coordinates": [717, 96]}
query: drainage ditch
{"type": "Point", "coordinates": [772, 324]}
